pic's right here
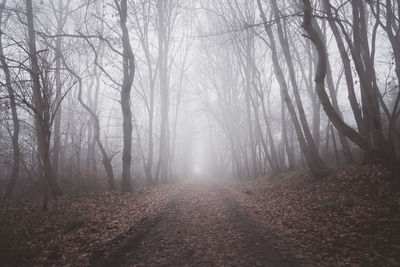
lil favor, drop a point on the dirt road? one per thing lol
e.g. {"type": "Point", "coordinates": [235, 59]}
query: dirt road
{"type": "Point", "coordinates": [291, 219]}
{"type": "Point", "coordinates": [201, 226]}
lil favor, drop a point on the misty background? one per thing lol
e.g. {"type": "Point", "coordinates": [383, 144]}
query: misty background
{"type": "Point", "coordinates": [103, 94]}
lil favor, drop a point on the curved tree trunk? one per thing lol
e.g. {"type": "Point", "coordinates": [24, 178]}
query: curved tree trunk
{"type": "Point", "coordinates": [317, 168]}
{"type": "Point", "coordinates": [378, 150]}
{"type": "Point", "coordinates": [106, 158]}
{"type": "Point", "coordinates": [129, 74]}
{"type": "Point", "coordinates": [329, 81]}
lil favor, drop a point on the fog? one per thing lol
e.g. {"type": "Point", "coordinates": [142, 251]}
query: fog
{"type": "Point", "coordinates": [118, 95]}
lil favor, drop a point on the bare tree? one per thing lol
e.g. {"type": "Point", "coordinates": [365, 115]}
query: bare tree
{"type": "Point", "coordinates": [317, 167]}
{"type": "Point", "coordinates": [42, 111]}
{"type": "Point", "coordinates": [378, 148]}
{"type": "Point", "coordinates": [14, 113]}
{"type": "Point", "coordinates": [106, 157]}
{"type": "Point", "coordinates": [60, 13]}
{"type": "Point", "coordinates": [128, 75]}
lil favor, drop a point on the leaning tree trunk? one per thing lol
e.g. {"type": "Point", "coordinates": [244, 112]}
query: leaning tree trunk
{"type": "Point", "coordinates": [296, 92]}
{"type": "Point", "coordinates": [273, 158]}
{"type": "Point", "coordinates": [347, 72]}
{"type": "Point", "coordinates": [329, 80]}
{"type": "Point", "coordinates": [317, 168]}
{"type": "Point", "coordinates": [106, 158]}
{"type": "Point", "coordinates": [381, 154]}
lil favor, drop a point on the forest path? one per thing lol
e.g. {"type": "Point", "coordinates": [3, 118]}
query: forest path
{"type": "Point", "coordinates": [201, 226]}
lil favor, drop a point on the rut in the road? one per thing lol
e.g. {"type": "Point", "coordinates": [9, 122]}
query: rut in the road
{"type": "Point", "coordinates": [201, 226]}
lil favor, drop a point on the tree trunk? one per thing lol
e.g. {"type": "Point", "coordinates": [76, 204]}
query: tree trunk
{"type": "Point", "coordinates": [329, 80]}
{"type": "Point", "coordinates": [276, 168]}
{"type": "Point", "coordinates": [303, 120]}
{"type": "Point", "coordinates": [289, 151]}
{"type": "Point", "coordinates": [163, 162]}
{"type": "Point", "coordinates": [368, 77]}
{"type": "Point", "coordinates": [248, 78]}
{"type": "Point", "coordinates": [129, 74]}
{"type": "Point", "coordinates": [335, 147]}
{"type": "Point", "coordinates": [347, 72]}
{"type": "Point", "coordinates": [42, 114]}
{"type": "Point", "coordinates": [106, 158]}
{"type": "Point", "coordinates": [317, 168]}
{"type": "Point", "coordinates": [379, 153]}
{"type": "Point", "coordinates": [60, 18]}
{"type": "Point", "coordinates": [15, 135]}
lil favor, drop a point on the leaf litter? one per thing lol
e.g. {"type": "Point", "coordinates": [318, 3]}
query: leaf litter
{"type": "Point", "coordinates": [348, 218]}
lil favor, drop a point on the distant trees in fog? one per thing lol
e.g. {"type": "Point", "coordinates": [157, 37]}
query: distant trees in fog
{"type": "Point", "coordinates": [133, 89]}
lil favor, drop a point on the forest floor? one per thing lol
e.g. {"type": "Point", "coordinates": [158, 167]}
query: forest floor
{"type": "Point", "coordinates": [348, 218]}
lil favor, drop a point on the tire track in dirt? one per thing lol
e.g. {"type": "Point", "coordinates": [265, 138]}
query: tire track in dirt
{"type": "Point", "coordinates": [201, 226]}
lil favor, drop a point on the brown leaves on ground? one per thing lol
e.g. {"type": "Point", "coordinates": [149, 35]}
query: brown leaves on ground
{"type": "Point", "coordinates": [350, 217]}
{"type": "Point", "coordinates": [73, 227]}
{"type": "Point", "coordinates": [201, 226]}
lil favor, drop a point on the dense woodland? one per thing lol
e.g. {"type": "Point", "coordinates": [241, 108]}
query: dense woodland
{"type": "Point", "coordinates": [107, 94]}
{"type": "Point", "coordinates": [289, 110]}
